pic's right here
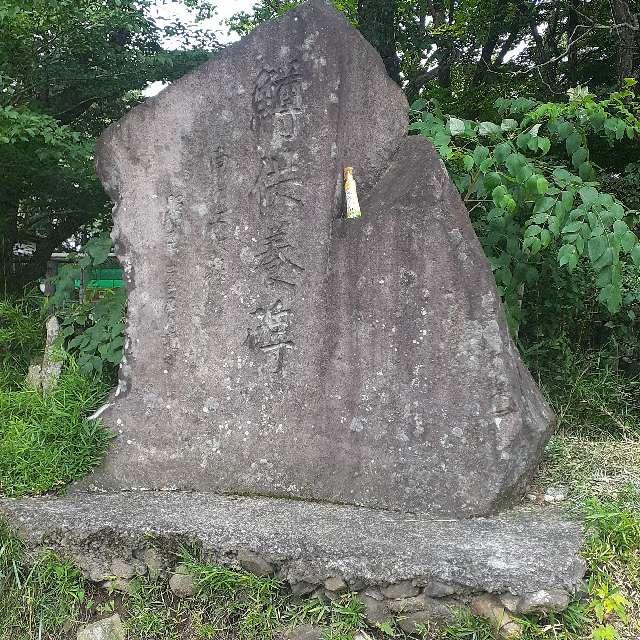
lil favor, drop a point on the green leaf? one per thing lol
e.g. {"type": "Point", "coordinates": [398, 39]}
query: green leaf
{"type": "Point", "coordinates": [579, 156]}
{"type": "Point", "coordinates": [635, 255]}
{"type": "Point", "coordinates": [480, 153]}
{"type": "Point", "coordinates": [573, 142]}
{"type": "Point", "coordinates": [99, 249]}
{"type": "Point", "coordinates": [468, 162]}
{"type": "Point", "coordinates": [513, 163]}
{"type": "Point", "coordinates": [488, 129]}
{"type": "Point", "coordinates": [567, 255]}
{"type": "Point", "coordinates": [501, 151]}
{"type": "Point", "coordinates": [588, 195]}
{"type": "Point", "coordinates": [572, 227]}
{"type": "Point", "coordinates": [628, 241]}
{"type": "Point", "coordinates": [543, 204]}
{"type": "Point", "coordinates": [544, 144]}
{"type": "Point", "coordinates": [586, 171]}
{"type": "Point", "coordinates": [542, 186]}
{"type": "Point", "coordinates": [523, 140]}
{"type": "Point", "coordinates": [604, 260]}
{"type": "Point", "coordinates": [498, 194]}
{"type": "Point", "coordinates": [564, 129]}
{"type": "Point", "coordinates": [596, 247]}
{"type": "Point", "coordinates": [532, 230]}
{"type": "Point", "coordinates": [509, 124]}
{"type": "Point", "coordinates": [612, 297]}
{"type": "Point", "coordinates": [456, 126]}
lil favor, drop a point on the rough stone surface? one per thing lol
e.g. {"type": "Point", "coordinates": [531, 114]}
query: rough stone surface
{"type": "Point", "coordinates": [374, 611]}
{"type": "Point", "coordinates": [254, 563]}
{"type": "Point", "coordinates": [404, 589]}
{"type": "Point", "coordinates": [435, 615]}
{"type": "Point", "coordinates": [490, 608]}
{"type": "Point", "coordinates": [276, 348]}
{"type": "Point", "coordinates": [181, 583]}
{"type": "Point", "coordinates": [437, 589]}
{"type": "Point", "coordinates": [154, 562]}
{"type": "Point", "coordinates": [335, 584]}
{"type": "Point", "coordinates": [45, 376]}
{"type": "Point", "coordinates": [520, 552]}
{"type": "Point", "coordinates": [543, 600]}
{"type": "Point", "coordinates": [106, 629]}
{"type": "Point", "coordinates": [122, 569]}
{"type": "Point", "coordinates": [305, 632]}
{"type": "Point", "coordinates": [412, 604]}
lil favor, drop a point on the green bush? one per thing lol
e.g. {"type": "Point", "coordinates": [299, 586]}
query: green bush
{"type": "Point", "coordinates": [46, 440]}
{"type": "Point", "coordinates": [92, 330]}
{"type": "Point", "coordinates": [534, 194]}
{"type": "Point", "coordinates": [21, 338]}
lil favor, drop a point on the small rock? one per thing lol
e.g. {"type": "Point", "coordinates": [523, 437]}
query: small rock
{"type": "Point", "coordinates": [333, 596]}
{"type": "Point", "coordinates": [437, 589]}
{"type": "Point", "coordinates": [95, 569]}
{"type": "Point", "coordinates": [555, 494]}
{"type": "Point", "coordinates": [122, 569]}
{"type": "Point", "coordinates": [182, 584]}
{"type": "Point", "coordinates": [489, 607]}
{"type": "Point", "coordinates": [374, 611]}
{"type": "Point", "coordinates": [409, 623]}
{"type": "Point", "coordinates": [404, 589]}
{"type": "Point", "coordinates": [305, 632]}
{"type": "Point", "coordinates": [156, 564]}
{"type": "Point", "coordinates": [121, 585]}
{"type": "Point", "coordinates": [335, 584]}
{"type": "Point", "coordinates": [107, 629]}
{"type": "Point", "coordinates": [376, 594]}
{"type": "Point", "coordinates": [253, 563]}
{"type": "Point", "coordinates": [411, 605]}
{"type": "Point", "coordinates": [420, 610]}
{"type": "Point", "coordinates": [510, 602]}
{"type": "Point", "coordinates": [544, 601]}
{"type": "Point", "coordinates": [302, 588]}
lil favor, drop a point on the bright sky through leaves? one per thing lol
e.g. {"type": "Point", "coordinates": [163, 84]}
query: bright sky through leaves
{"type": "Point", "coordinates": [224, 10]}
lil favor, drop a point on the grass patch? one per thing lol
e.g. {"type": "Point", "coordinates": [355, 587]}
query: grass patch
{"type": "Point", "coordinates": [589, 394]}
{"type": "Point", "coordinates": [589, 467]}
{"type": "Point", "coordinates": [21, 338]}
{"type": "Point", "coordinates": [46, 440]}
{"type": "Point", "coordinates": [36, 602]}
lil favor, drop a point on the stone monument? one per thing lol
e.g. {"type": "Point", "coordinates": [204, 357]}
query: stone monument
{"type": "Point", "coordinates": [276, 349]}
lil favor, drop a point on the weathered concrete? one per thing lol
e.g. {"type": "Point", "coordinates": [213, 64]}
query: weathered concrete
{"type": "Point", "coordinates": [520, 553]}
{"type": "Point", "coordinates": [275, 348]}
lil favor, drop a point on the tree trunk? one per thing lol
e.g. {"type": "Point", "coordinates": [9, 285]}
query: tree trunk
{"type": "Point", "coordinates": [8, 238]}
{"type": "Point", "coordinates": [377, 23]}
{"type": "Point", "coordinates": [627, 30]}
{"type": "Point", "coordinates": [484, 63]}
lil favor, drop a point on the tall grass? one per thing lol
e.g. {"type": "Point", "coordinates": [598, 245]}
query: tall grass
{"type": "Point", "coordinates": [45, 439]}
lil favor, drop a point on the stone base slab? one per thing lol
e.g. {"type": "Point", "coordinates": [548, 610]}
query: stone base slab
{"type": "Point", "coordinates": [527, 557]}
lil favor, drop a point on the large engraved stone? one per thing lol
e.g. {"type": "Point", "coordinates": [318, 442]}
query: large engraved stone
{"type": "Point", "coordinates": [277, 349]}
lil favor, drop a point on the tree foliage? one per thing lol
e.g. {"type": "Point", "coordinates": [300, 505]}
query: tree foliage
{"type": "Point", "coordinates": [534, 193]}
{"type": "Point", "coordinates": [68, 68]}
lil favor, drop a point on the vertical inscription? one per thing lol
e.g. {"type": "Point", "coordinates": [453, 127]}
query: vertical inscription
{"type": "Point", "coordinates": [173, 226]}
{"type": "Point", "coordinates": [278, 111]}
{"type": "Point", "coordinates": [217, 225]}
